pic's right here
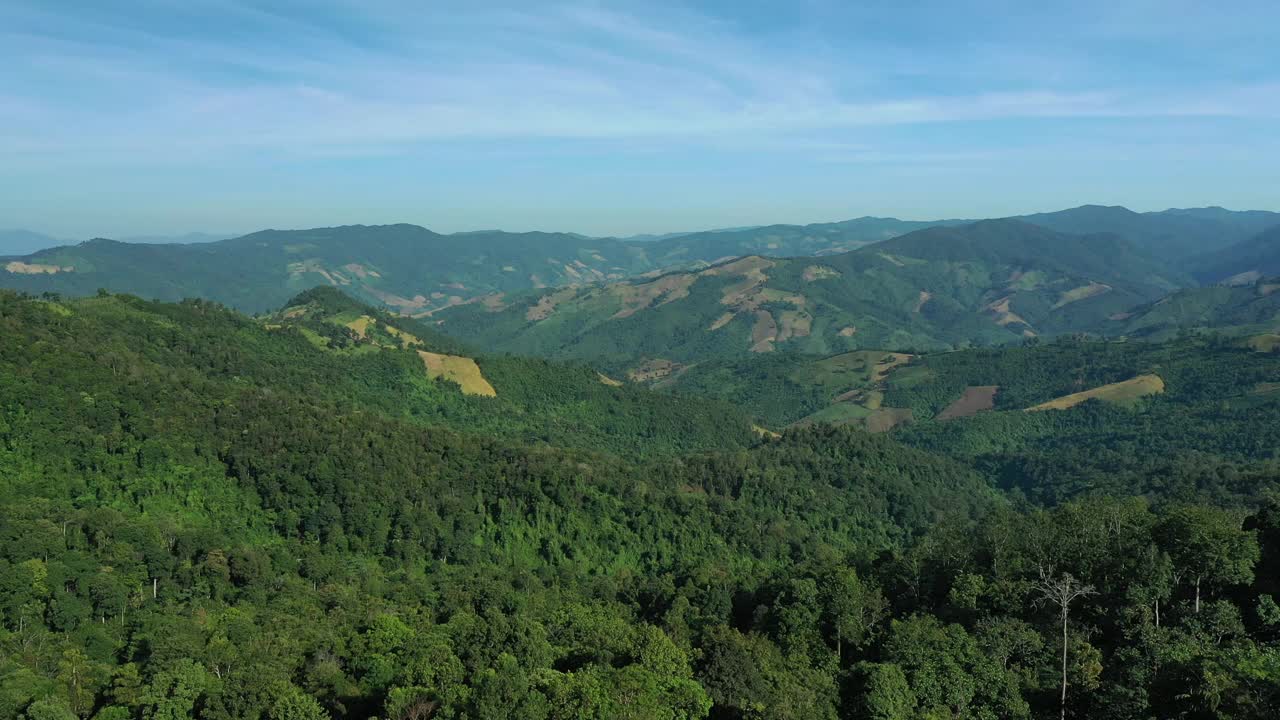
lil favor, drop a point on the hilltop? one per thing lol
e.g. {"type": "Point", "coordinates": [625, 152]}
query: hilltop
{"type": "Point", "coordinates": [330, 348]}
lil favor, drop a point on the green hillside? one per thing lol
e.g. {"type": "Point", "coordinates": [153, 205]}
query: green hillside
{"type": "Point", "coordinates": [1244, 262]}
{"type": "Point", "coordinates": [414, 271]}
{"type": "Point", "coordinates": [204, 515]}
{"type": "Point", "coordinates": [1175, 235]}
{"type": "Point", "coordinates": [1236, 309]}
{"type": "Point", "coordinates": [784, 389]}
{"type": "Point", "coordinates": [313, 353]}
{"type": "Point", "coordinates": [986, 283]}
{"type": "Point", "coordinates": [782, 240]}
{"type": "Point", "coordinates": [1171, 417]}
{"type": "Point", "coordinates": [404, 267]}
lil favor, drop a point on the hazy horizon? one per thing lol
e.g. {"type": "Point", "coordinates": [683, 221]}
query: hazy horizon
{"type": "Point", "coordinates": [601, 118]}
{"type": "Point", "coordinates": [207, 236]}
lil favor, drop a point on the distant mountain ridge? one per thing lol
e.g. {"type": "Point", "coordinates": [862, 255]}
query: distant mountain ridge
{"type": "Point", "coordinates": [994, 281]}
{"type": "Point", "coordinates": [415, 271]}
{"type": "Point", "coordinates": [1242, 263]}
{"type": "Point", "coordinates": [23, 242]}
{"type": "Point", "coordinates": [1174, 234]}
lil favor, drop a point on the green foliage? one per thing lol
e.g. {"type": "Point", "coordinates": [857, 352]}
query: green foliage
{"type": "Point", "coordinates": [204, 518]}
{"type": "Point", "coordinates": [973, 280]}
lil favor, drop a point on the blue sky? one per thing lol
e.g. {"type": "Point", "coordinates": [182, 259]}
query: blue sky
{"type": "Point", "coordinates": [155, 116]}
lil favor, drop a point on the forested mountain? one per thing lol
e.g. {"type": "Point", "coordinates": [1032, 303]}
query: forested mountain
{"type": "Point", "coordinates": [1244, 262]}
{"type": "Point", "coordinates": [207, 515]}
{"type": "Point", "coordinates": [993, 281]}
{"type": "Point", "coordinates": [1172, 235]}
{"type": "Point", "coordinates": [404, 267]}
{"type": "Point", "coordinates": [1238, 309]}
{"type": "Point", "coordinates": [414, 271]}
{"type": "Point", "coordinates": [783, 240]}
{"type": "Point", "coordinates": [327, 347]}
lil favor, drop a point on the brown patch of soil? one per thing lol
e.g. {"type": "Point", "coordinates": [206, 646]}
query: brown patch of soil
{"type": "Point", "coordinates": [656, 369]}
{"type": "Point", "coordinates": [764, 332]}
{"type": "Point", "coordinates": [668, 288]}
{"type": "Point", "coordinates": [547, 304]}
{"type": "Point", "coordinates": [976, 398]}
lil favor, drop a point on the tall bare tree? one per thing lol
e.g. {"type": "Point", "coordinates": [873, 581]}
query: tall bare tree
{"type": "Point", "coordinates": [1062, 590]}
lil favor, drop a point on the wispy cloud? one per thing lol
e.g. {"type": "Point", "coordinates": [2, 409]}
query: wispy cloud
{"type": "Point", "coordinates": [585, 71]}
{"type": "Point", "coordinates": [593, 103]}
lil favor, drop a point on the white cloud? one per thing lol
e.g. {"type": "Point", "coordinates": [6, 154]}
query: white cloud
{"type": "Point", "coordinates": [576, 71]}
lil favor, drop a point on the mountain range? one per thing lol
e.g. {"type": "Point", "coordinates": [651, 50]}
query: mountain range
{"type": "Point", "coordinates": [830, 287]}
{"type": "Point", "coordinates": [990, 282]}
{"type": "Point", "coordinates": [25, 242]}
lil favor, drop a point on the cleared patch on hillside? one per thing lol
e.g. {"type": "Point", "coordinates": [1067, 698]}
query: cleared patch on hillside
{"type": "Point", "coordinates": [1025, 280]}
{"type": "Point", "coordinates": [655, 369]}
{"type": "Point", "coordinates": [886, 419]}
{"type": "Point", "coordinates": [1265, 343]}
{"type": "Point", "coordinates": [417, 306]}
{"type": "Point", "coordinates": [1093, 289]}
{"type": "Point", "coordinates": [847, 331]}
{"type": "Point", "coordinates": [637, 297]}
{"type": "Point", "coordinates": [887, 363]}
{"type": "Point", "coordinates": [765, 432]}
{"type": "Point", "coordinates": [721, 321]}
{"type": "Point", "coordinates": [18, 267]}
{"type": "Point", "coordinates": [1266, 289]}
{"type": "Point", "coordinates": [975, 399]}
{"type": "Point", "coordinates": [547, 304]}
{"type": "Point", "coordinates": [361, 326]}
{"type": "Point", "coordinates": [314, 338]}
{"type": "Point", "coordinates": [764, 332]}
{"type": "Point", "coordinates": [361, 271]}
{"type": "Point", "coordinates": [408, 338]}
{"type": "Point", "coordinates": [819, 272]}
{"type": "Point", "coordinates": [1003, 315]}
{"type": "Point", "coordinates": [750, 268]}
{"type": "Point", "coordinates": [925, 296]}
{"type": "Point", "coordinates": [1121, 393]}
{"type": "Point", "coordinates": [494, 302]}
{"type": "Point", "coordinates": [462, 370]}
{"type": "Point", "coordinates": [608, 380]}
{"type": "Point", "coordinates": [793, 324]}
{"type": "Point", "coordinates": [1245, 278]}
{"type": "Point", "coordinates": [313, 266]}
{"type": "Point", "coordinates": [892, 259]}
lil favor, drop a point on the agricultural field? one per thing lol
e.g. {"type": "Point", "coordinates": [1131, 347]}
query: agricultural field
{"type": "Point", "coordinates": [1122, 393]}
{"type": "Point", "coordinates": [975, 399]}
{"type": "Point", "coordinates": [461, 370]}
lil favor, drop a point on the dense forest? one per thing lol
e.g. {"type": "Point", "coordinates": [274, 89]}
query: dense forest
{"type": "Point", "coordinates": [206, 515]}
